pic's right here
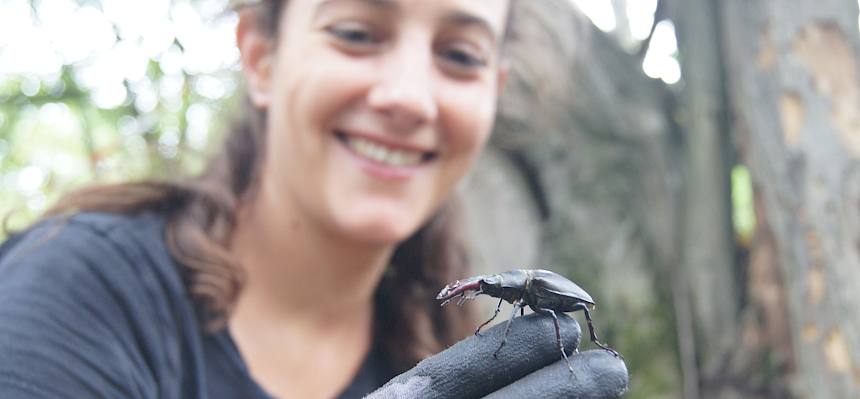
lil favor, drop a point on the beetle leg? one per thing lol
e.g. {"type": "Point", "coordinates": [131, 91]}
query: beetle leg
{"type": "Point", "coordinates": [478, 330]}
{"type": "Point", "coordinates": [558, 337]}
{"type": "Point", "coordinates": [519, 304]}
{"type": "Point", "coordinates": [591, 329]}
{"type": "Point", "coordinates": [467, 295]}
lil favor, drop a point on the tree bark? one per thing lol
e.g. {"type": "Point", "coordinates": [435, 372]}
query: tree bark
{"type": "Point", "coordinates": [794, 87]}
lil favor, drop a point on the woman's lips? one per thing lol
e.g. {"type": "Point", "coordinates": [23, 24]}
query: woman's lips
{"type": "Point", "coordinates": [383, 160]}
{"type": "Point", "coordinates": [388, 153]}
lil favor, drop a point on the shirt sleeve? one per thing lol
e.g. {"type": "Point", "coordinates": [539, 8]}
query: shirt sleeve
{"type": "Point", "coordinates": [73, 319]}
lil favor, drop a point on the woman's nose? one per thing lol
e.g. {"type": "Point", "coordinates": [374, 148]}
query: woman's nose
{"type": "Point", "coordinates": [403, 91]}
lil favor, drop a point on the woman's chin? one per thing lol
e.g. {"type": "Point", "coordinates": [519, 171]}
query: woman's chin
{"type": "Point", "coordinates": [381, 232]}
{"type": "Point", "coordinates": [377, 223]}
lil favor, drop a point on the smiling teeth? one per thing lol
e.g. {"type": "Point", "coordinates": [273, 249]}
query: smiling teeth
{"type": "Point", "coordinates": [382, 154]}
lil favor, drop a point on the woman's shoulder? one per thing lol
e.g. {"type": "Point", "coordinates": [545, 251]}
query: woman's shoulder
{"type": "Point", "coordinates": [86, 243]}
{"type": "Point", "coordinates": [96, 259]}
{"type": "Point", "coordinates": [95, 298]}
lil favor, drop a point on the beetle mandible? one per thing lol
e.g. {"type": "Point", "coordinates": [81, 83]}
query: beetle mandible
{"type": "Point", "coordinates": [543, 291]}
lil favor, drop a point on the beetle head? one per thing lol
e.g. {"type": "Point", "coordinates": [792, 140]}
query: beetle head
{"type": "Point", "coordinates": [494, 280]}
{"type": "Point", "coordinates": [492, 285]}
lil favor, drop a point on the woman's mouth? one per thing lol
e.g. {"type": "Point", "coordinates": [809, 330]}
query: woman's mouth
{"type": "Point", "coordinates": [383, 154]}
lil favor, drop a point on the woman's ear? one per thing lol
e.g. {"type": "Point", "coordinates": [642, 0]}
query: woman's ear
{"type": "Point", "coordinates": [257, 57]}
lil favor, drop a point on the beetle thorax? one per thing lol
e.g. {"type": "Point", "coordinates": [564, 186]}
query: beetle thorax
{"type": "Point", "coordinates": [509, 286]}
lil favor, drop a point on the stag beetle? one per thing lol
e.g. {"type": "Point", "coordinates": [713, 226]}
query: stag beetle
{"type": "Point", "coordinates": [543, 291]}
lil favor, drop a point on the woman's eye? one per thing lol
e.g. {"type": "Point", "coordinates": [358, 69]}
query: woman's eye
{"type": "Point", "coordinates": [464, 58]}
{"type": "Point", "coordinates": [353, 34]}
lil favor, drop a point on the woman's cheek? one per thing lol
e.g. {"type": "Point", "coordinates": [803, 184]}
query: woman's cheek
{"type": "Point", "coordinates": [332, 86]}
{"type": "Point", "coordinates": [468, 112]}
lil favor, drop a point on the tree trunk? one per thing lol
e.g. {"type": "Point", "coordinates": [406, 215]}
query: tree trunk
{"type": "Point", "coordinates": [794, 88]}
{"type": "Point", "coordinates": [708, 276]}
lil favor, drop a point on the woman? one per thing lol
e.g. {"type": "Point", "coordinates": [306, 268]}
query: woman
{"type": "Point", "coordinates": [303, 262]}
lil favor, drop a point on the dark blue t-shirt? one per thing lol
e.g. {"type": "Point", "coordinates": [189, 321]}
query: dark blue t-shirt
{"type": "Point", "coordinates": [95, 307]}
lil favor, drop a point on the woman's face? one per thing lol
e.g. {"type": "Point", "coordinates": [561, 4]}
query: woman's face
{"type": "Point", "coordinates": [377, 108]}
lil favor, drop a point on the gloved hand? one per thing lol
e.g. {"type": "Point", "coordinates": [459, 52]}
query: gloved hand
{"type": "Point", "coordinates": [528, 366]}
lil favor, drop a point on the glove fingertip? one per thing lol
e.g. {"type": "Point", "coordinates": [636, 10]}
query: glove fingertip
{"type": "Point", "coordinates": [597, 374]}
{"type": "Point", "coordinates": [479, 365]}
{"type": "Point", "coordinates": [610, 369]}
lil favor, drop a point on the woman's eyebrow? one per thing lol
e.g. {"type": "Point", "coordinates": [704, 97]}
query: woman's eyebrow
{"type": "Point", "coordinates": [463, 19]}
{"type": "Point", "coordinates": [456, 18]}
{"type": "Point", "coordinates": [382, 4]}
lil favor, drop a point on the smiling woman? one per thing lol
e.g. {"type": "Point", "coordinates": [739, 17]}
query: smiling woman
{"type": "Point", "coordinates": [311, 246]}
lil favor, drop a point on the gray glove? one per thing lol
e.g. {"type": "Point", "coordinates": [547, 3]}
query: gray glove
{"type": "Point", "coordinates": [528, 366]}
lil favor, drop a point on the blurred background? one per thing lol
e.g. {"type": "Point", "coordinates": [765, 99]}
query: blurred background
{"type": "Point", "coordinates": [693, 164]}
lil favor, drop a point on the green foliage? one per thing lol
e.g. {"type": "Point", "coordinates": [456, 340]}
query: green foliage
{"type": "Point", "coordinates": [58, 132]}
{"type": "Point", "coordinates": [743, 205]}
